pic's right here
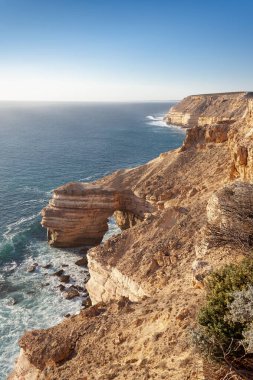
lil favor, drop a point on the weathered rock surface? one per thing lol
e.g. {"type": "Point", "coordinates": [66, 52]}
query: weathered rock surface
{"type": "Point", "coordinates": [210, 109]}
{"type": "Point", "coordinates": [82, 262]}
{"type": "Point", "coordinates": [78, 213]}
{"type": "Point", "coordinates": [32, 268]}
{"type": "Point", "coordinates": [188, 205]}
{"type": "Point", "coordinates": [64, 278]}
{"type": "Point", "coordinates": [71, 293]}
{"type": "Point", "coordinates": [230, 217]}
{"type": "Point", "coordinates": [108, 283]}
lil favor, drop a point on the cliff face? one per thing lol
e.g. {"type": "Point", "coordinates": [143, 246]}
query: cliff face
{"type": "Point", "coordinates": [78, 213]}
{"type": "Point", "coordinates": [185, 212]}
{"type": "Point", "coordinates": [200, 110]}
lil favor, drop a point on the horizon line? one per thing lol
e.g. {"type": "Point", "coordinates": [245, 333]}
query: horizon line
{"type": "Point", "coordinates": [86, 101]}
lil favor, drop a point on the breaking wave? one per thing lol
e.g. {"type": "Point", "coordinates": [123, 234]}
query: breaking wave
{"type": "Point", "coordinates": [158, 121]}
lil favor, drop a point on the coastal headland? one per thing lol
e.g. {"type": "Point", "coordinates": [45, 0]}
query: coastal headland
{"type": "Point", "coordinates": [182, 214]}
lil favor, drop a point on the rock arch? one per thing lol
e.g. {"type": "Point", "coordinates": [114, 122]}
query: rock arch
{"type": "Point", "coordinates": [77, 214]}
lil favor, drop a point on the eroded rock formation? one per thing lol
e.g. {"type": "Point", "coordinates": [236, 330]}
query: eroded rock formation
{"type": "Point", "coordinates": [78, 213]}
{"type": "Point", "coordinates": [190, 202]}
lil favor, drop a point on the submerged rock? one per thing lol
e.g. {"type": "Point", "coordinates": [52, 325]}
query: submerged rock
{"type": "Point", "coordinates": [46, 284]}
{"type": "Point", "coordinates": [71, 293]}
{"type": "Point", "coordinates": [78, 287]}
{"type": "Point", "coordinates": [86, 302]}
{"type": "Point", "coordinates": [32, 268]}
{"type": "Point", "coordinates": [64, 278]}
{"type": "Point", "coordinates": [11, 301]}
{"type": "Point", "coordinates": [82, 262]}
{"type": "Point", "coordinates": [46, 266]}
{"type": "Point", "coordinates": [61, 287]}
{"type": "Point", "coordinates": [58, 273]}
{"type": "Point", "coordinates": [84, 250]}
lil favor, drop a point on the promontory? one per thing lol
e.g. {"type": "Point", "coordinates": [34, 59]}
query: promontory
{"type": "Point", "coordinates": [182, 215]}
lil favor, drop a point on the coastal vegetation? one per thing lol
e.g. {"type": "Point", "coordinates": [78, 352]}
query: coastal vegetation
{"type": "Point", "coordinates": [225, 321]}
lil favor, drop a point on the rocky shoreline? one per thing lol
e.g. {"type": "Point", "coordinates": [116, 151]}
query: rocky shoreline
{"type": "Point", "coordinates": [177, 214]}
{"type": "Point", "coordinates": [67, 284]}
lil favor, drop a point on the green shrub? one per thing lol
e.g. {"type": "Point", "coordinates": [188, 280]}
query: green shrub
{"type": "Point", "coordinates": [241, 310]}
{"type": "Point", "coordinates": [221, 287]}
{"type": "Point", "coordinates": [225, 330]}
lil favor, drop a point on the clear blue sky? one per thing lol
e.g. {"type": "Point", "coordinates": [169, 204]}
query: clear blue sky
{"type": "Point", "coordinates": [124, 50]}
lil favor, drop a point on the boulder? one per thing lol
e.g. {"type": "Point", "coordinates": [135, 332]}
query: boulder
{"type": "Point", "coordinates": [82, 262]}
{"type": "Point", "coordinates": [32, 268]}
{"type": "Point", "coordinates": [71, 293]}
{"type": "Point", "coordinates": [64, 278]}
{"type": "Point", "coordinates": [59, 273]}
{"type": "Point", "coordinates": [46, 266]}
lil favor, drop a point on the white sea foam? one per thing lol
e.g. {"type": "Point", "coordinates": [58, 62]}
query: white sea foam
{"type": "Point", "coordinates": [94, 177]}
{"type": "Point", "coordinates": [87, 179]}
{"type": "Point", "coordinates": [158, 121]}
{"type": "Point", "coordinates": [33, 189]}
{"type": "Point", "coordinates": [34, 300]}
{"type": "Point", "coordinates": [13, 228]}
{"type": "Point", "coordinates": [10, 266]}
{"type": "Point", "coordinates": [176, 128]}
{"type": "Point", "coordinates": [29, 201]}
{"type": "Point", "coordinates": [113, 229]}
{"type": "Point", "coordinates": [38, 306]}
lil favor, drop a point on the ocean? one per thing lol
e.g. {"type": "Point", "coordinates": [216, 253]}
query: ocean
{"type": "Point", "coordinates": [42, 146]}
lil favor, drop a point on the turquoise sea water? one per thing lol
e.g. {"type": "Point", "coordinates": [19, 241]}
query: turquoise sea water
{"type": "Point", "coordinates": [42, 146]}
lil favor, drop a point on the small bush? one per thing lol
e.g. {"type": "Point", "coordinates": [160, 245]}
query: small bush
{"type": "Point", "coordinates": [241, 310]}
{"type": "Point", "coordinates": [221, 287]}
{"type": "Point", "coordinates": [226, 320]}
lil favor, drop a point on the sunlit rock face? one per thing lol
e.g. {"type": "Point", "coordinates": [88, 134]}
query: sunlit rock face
{"type": "Point", "coordinates": [217, 118]}
{"type": "Point", "coordinates": [78, 213]}
{"type": "Point", "coordinates": [200, 110]}
{"type": "Point", "coordinates": [107, 283]}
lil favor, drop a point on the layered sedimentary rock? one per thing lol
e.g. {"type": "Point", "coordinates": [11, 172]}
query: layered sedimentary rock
{"type": "Point", "coordinates": [107, 283]}
{"type": "Point", "coordinates": [186, 200]}
{"type": "Point", "coordinates": [200, 136]}
{"type": "Point", "coordinates": [200, 110]}
{"type": "Point", "coordinates": [78, 213]}
{"type": "Point", "coordinates": [241, 148]}
{"type": "Point", "coordinates": [218, 118]}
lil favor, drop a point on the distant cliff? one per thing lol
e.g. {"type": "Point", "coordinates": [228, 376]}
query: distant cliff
{"type": "Point", "coordinates": [184, 213]}
{"type": "Point", "coordinates": [210, 109]}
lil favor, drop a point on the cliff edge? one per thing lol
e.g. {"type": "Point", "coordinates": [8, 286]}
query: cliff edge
{"type": "Point", "coordinates": [228, 107]}
{"type": "Point", "coordinates": [182, 214]}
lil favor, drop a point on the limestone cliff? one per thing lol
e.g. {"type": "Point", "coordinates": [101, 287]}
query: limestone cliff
{"type": "Point", "coordinates": [200, 110]}
{"type": "Point", "coordinates": [185, 212]}
{"type": "Point", "coordinates": [78, 213]}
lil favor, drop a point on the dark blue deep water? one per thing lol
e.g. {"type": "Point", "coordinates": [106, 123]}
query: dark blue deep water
{"type": "Point", "coordinates": [42, 146]}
